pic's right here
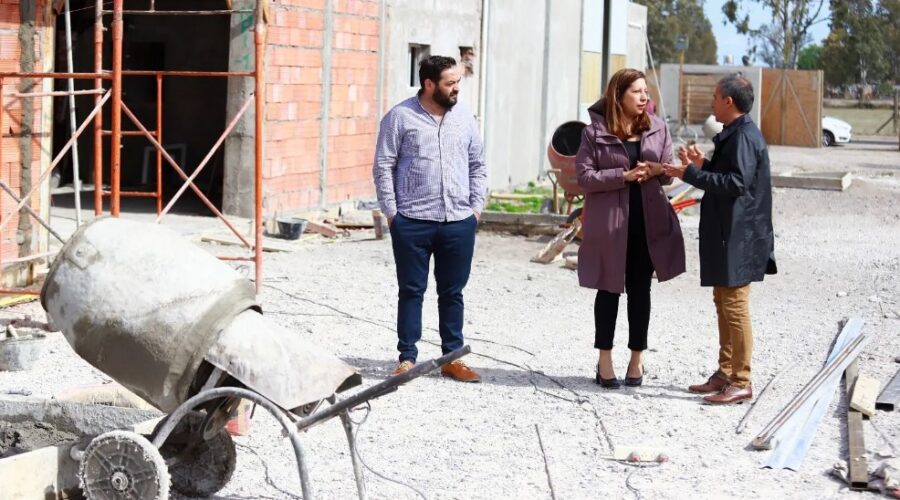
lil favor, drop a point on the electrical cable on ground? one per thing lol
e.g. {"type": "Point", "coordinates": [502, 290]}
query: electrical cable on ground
{"type": "Point", "coordinates": [355, 435]}
{"type": "Point", "coordinates": [580, 399]}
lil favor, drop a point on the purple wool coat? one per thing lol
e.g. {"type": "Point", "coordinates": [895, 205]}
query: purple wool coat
{"type": "Point", "coordinates": [600, 165]}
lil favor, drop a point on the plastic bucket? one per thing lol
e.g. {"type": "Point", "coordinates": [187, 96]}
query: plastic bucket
{"type": "Point", "coordinates": [290, 228]}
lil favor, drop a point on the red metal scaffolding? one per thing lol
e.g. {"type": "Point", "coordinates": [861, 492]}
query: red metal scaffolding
{"type": "Point", "coordinates": [113, 96]}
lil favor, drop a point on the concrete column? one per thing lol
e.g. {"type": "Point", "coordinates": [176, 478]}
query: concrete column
{"type": "Point", "coordinates": [238, 193]}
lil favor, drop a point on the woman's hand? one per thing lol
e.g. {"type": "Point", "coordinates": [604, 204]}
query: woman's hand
{"type": "Point", "coordinates": [636, 174]}
{"type": "Point", "coordinates": [653, 168]}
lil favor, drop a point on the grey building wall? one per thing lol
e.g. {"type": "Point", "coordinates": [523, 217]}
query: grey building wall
{"type": "Point", "coordinates": [444, 27]}
{"type": "Point", "coordinates": [532, 83]}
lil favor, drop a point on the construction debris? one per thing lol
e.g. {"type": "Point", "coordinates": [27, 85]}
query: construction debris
{"type": "Point", "coordinates": [522, 224]}
{"type": "Point", "coordinates": [889, 399]}
{"type": "Point", "coordinates": [864, 393]}
{"type": "Point", "coordinates": [858, 476]}
{"type": "Point", "coordinates": [790, 433]}
{"type": "Point", "coordinates": [832, 181]}
{"type": "Point", "coordinates": [743, 423]}
{"type": "Point", "coordinates": [559, 243]}
{"type": "Point", "coordinates": [640, 453]}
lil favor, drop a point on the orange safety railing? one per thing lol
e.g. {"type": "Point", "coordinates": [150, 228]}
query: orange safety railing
{"type": "Point", "coordinates": [113, 96]}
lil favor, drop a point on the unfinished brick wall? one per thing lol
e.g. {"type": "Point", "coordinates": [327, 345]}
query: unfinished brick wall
{"type": "Point", "coordinates": [295, 98]}
{"type": "Point", "coordinates": [22, 135]}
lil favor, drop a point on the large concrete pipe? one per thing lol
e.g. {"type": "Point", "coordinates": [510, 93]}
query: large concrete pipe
{"type": "Point", "coordinates": [146, 307]}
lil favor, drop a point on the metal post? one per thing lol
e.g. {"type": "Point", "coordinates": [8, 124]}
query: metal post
{"type": "Point", "coordinates": [259, 73]}
{"type": "Point", "coordinates": [159, 137]}
{"type": "Point", "coordinates": [115, 148]}
{"type": "Point", "coordinates": [76, 173]}
{"type": "Point", "coordinates": [354, 456]}
{"type": "Point", "coordinates": [98, 120]}
{"type": "Point", "coordinates": [326, 103]}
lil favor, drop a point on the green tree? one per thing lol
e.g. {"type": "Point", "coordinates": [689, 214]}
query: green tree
{"type": "Point", "coordinates": [889, 15]}
{"type": "Point", "coordinates": [855, 49]}
{"type": "Point", "coordinates": [810, 57]}
{"type": "Point", "coordinates": [666, 19]}
{"type": "Point", "coordinates": [793, 19]}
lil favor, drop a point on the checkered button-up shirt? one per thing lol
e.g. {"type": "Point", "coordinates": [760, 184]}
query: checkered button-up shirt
{"type": "Point", "coordinates": [430, 170]}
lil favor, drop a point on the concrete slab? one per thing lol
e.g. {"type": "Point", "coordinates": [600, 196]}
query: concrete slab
{"type": "Point", "coordinates": [834, 181]}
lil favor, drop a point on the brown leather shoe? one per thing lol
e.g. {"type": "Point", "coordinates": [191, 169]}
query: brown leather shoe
{"type": "Point", "coordinates": [730, 394]}
{"type": "Point", "coordinates": [713, 384]}
{"type": "Point", "coordinates": [457, 370]}
{"type": "Point", "coordinates": [404, 367]}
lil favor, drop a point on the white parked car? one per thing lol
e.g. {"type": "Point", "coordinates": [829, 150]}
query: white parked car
{"type": "Point", "coordinates": [835, 131]}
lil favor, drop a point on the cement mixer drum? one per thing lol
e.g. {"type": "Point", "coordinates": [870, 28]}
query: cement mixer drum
{"type": "Point", "coordinates": [147, 307]}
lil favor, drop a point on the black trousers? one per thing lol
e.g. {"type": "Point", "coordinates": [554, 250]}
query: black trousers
{"type": "Point", "coordinates": [638, 273]}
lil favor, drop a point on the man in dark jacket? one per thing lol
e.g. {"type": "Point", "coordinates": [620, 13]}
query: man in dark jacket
{"type": "Point", "coordinates": [736, 239]}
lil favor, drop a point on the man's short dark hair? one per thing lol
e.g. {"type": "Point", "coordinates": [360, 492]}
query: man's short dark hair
{"type": "Point", "coordinates": [740, 90]}
{"type": "Point", "coordinates": [431, 68]}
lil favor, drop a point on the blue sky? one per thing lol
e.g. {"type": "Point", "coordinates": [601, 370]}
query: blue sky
{"type": "Point", "coordinates": [729, 42]}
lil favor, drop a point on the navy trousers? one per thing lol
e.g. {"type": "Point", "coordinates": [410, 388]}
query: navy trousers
{"type": "Point", "coordinates": [414, 242]}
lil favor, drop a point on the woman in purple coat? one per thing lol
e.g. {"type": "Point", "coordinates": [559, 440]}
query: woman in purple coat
{"type": "Point", "coordinates": [630, 228]}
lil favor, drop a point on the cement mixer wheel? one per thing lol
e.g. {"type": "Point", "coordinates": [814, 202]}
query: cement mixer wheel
{"type": "Point", "coordinates": [199, 468]}
{"type": "Point", "coordinates": [120, 465]}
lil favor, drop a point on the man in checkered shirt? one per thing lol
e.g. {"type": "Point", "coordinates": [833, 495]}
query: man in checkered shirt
{"type": "Point", "coordinates": [431, 183]}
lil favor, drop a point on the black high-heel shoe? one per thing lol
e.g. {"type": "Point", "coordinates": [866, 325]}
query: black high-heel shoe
{"type": "Point", "coordinates": [635, 381]}
{"type": "Point", "coordinates": [607, 383]}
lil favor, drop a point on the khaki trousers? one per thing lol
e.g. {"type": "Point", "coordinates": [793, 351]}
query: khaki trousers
{"type": "Point", "coordinates": [735, 334]}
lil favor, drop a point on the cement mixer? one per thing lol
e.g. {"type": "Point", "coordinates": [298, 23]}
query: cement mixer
{"type": "Point", "coordinates": [561, 153]}
{"type": "Point", "coordinates": [183, 330]}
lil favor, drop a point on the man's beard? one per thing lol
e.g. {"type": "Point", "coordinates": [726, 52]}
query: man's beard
{"type": "Point", "coordinates": [445, 100]}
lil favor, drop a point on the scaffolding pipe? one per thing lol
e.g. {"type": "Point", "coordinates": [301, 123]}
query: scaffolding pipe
{"type": "Point", "coordinates": [180, 12]}
{"type": "Point", "coordinates": [183, 175]}
{"type": "Point", "coordinates": [59, 93]}
{"type": "Point", "coordinates": [76, 167]}
{"type": "Point", "coordinates": [159, 137]}
{"type": "Point", "coordinates": [134, 72]}
{"type": "Point", "coordinates": [115, 147]}
{"type": "Point", "coordinates": [59, 156]}
{"type": "Point", "coordinates": [30, 211]}
{"type": "Point", "coordinates": [259, 70]}
{"type": "Point", "coordinates": [203, 163]}
{"type": "Point", "coordinates": [98, 121]}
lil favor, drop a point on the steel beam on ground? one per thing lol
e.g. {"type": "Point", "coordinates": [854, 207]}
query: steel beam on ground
{"type": "Point", "coordinates": [889, 398]}
{"type": "Point", "coordinates": [838, 361]}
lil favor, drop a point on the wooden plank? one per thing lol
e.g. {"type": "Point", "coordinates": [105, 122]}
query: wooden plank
{"type": "Point", "coordinates": [864, 393]}
{"type": "Point", "coordinates": [525, 224]}
{"type": "Point", "coordinates": [856, 459]}
{"type": "Point", "coordinates": [889, 398]}
{"type": "Point", "coordinates": [490, 216]}
{"type": "Point", "coordinates": [859, 474]}
{"type": "Point", "coordinates": [559, 243]}
{"type": "Point", "coordinates": [833, 181]}
{"type": "Point", "coordinates": [229, 240]}
{"type": "Point", "coordinates": [322, 228]}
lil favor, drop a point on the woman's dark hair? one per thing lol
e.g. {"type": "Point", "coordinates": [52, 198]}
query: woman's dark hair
{"type": "Point", "coordinates": [431, 68]}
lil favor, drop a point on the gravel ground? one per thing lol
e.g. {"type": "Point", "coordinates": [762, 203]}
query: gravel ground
{"type": "Point", "coordinates": [530, 328]}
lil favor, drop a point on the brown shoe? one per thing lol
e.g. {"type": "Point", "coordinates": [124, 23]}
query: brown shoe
{"type": "Point", "coordinates": [404, 367]}
{"type": "Point", "coordinates": [457, 370]}
{"type": "Point", "coordinates": [730, 394]}
{"type": "Point", "coordinates": [715, 383]}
